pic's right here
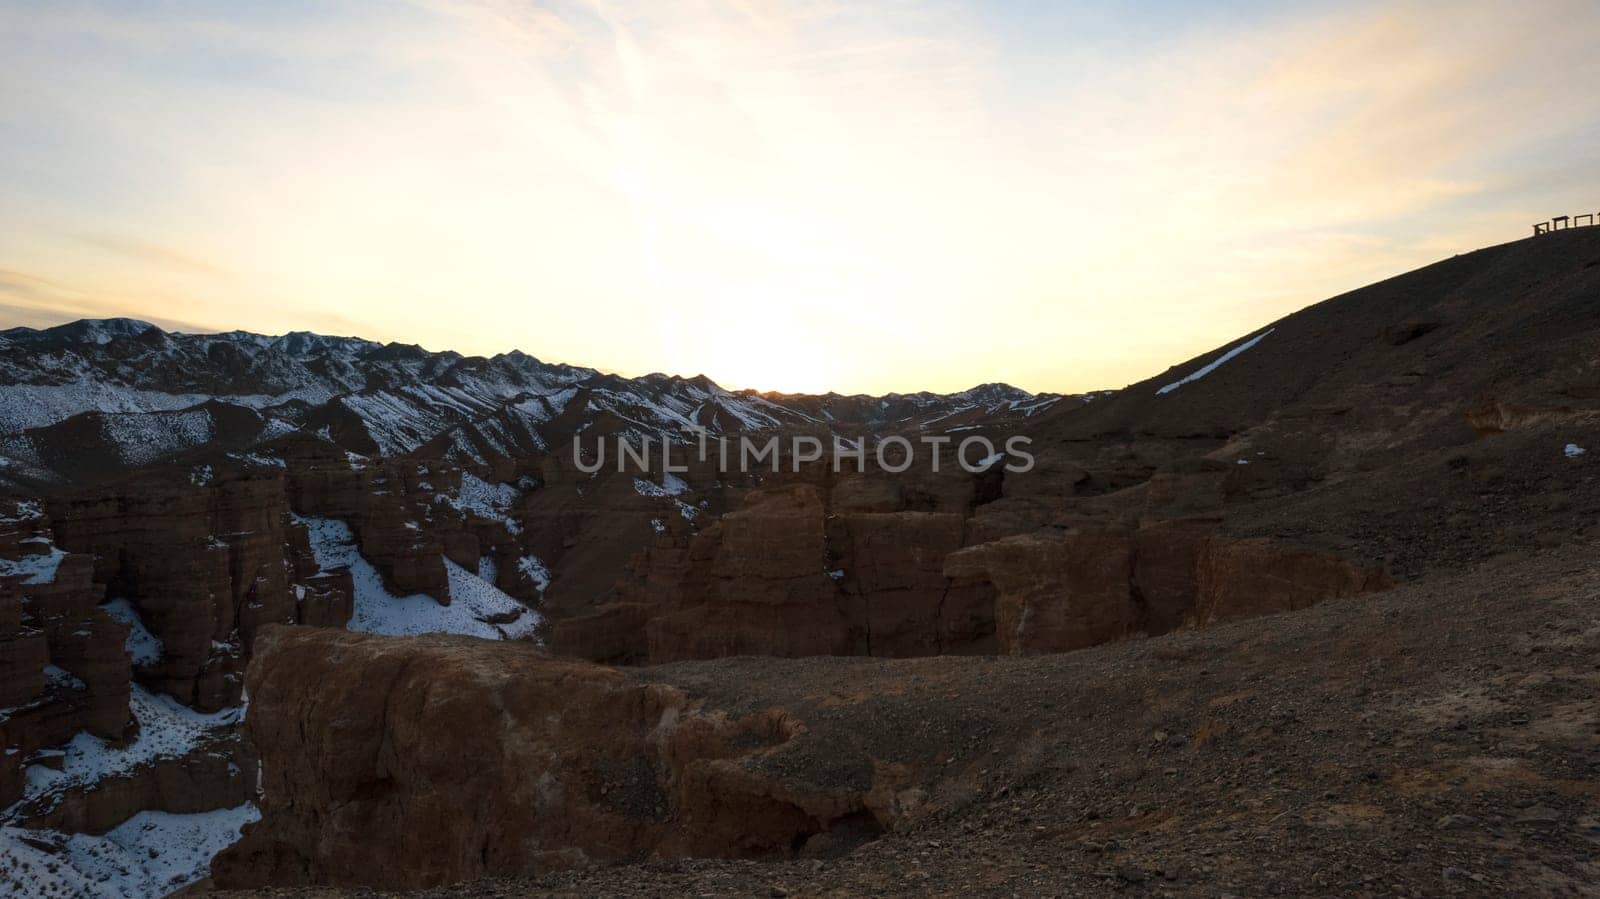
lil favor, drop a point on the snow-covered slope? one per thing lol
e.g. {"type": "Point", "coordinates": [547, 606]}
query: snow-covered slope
{"type": "Point", "coordinates": [150, 854]}
{"type": "Point", "coordinates": [114, 394]}
{"type": "Point", "coordinates": [477, 608]}
{"type": "Point", "coordinates": [167, 729]}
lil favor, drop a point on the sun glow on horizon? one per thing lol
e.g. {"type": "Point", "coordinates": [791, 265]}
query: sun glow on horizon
{"type": "Point", "coordinates": [776, 341]}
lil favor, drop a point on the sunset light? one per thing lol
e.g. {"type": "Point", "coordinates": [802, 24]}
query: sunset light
{"type": "Point", "coordinates": [1044, 197]}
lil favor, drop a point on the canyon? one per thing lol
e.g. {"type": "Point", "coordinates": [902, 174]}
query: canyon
{"type": "Point", "coordinates": [349, 614]}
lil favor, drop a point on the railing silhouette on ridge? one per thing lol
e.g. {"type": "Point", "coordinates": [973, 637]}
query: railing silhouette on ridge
{"type": "Point", "coordinates": [1567, 222]}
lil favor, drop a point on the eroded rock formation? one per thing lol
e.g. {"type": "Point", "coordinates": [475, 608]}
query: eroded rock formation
{"type": "Point", "coordinates": [63, 668]}
{"type": "Point", "coordinates": [161, 583]}
{"type": "Point", "coordinates": [809, 565]}
{"type": "Point", "coordinates": [1064, 591]}
{"type": "Point", "coordinates": [809, 568]}
{"type": "Point", "coordinates": [412, 762]}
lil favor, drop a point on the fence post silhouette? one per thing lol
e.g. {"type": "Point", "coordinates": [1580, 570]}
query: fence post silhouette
{"type": "Point", "coordinates": [1567, 223]}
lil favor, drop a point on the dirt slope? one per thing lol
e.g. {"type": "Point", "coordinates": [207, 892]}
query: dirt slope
{"type": "Point", "coordinates": [1514, 322]}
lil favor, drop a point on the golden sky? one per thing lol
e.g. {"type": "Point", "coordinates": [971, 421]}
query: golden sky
{"type": "Point", "coordinates": [862, 197]}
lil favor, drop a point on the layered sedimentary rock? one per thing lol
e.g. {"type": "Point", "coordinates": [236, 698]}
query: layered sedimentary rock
{"type": "Point", "coordinates": [842, 566]}
{"type": "Point", "coordinates": [371, 747]}
{"type": "Point", "coordinates": [211, 777]}
{"type": "Point", "coordinates": [1241, 578]}
{"type": "Point", "coordinates": [411, 762]}
{"type": "Point", "coordinates": [161, 580]}
{"type": "Point", "coordinates": [204, 565]}
{"type": "Point", "coordinates": [901, 602]}
{"type": "Point", "coordinates": [194, 564]}
{"type": "Point", "coordinates": [410, 516]}
{"type": "Point", "coordinates": [802, 568]}
{"type": "Point", "coordinates": [763, 570]}
{"type": "Point", "coordinates": [325, 600]}
{"type": "Point", "coordinates": [62, 657]}
{"type": "Point", "coordinates": [1068, 590]}
{"type": "Point", "coordinates": [1054, 593]}
{"type": "Point", "coordinates": [374, 500]}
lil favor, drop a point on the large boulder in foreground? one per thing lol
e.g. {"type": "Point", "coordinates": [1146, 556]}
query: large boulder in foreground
{"type": "Point", "coordinates": [410, 762]}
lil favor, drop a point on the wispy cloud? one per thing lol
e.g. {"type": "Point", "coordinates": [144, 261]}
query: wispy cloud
{"type": "Point", "coordinates": [149, 253]}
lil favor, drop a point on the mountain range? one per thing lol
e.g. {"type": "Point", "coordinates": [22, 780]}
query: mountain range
{"type": "Point", "coordinates": [97, 397]}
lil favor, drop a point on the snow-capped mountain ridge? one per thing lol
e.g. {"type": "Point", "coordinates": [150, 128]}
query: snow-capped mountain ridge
{"type": "Point", "coordinates": [143, 394]}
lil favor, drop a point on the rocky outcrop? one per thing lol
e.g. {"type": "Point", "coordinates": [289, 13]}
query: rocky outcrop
{"type": "Point", "coordinates": [1055, 594]}
{"type": "Point", "coordinates": [813, 568]}
{"type": "Point", "coordinates": [193, 566]}
{"type": "Point", "coordinates": [325, 600]}
{"type": "Point", "coordinates": [385, 505]}
{"type": "Point", "coordinates": [409, 516]}
{"type": "Point", "coordinates": [192, 569]}
{"type": "Point", "coordinates": [1494, 415]}
{"type": "Point", "coordinates": [1270, 753]}
{"type": "Point", "coordinates": [208, 778]}
{"type": "Point", "coordinates": [899, 599]}
{"type": "Point", "coordinates": [1243, 578]}
{"type": "Point", "coordinates": [1086, 586]}
{"type": "Point", "coordinates": [405, 763]}
{"type": "Point", "coordinates": [785, 574]}
{"type": "Point", "coordinates": [204, 564]}
{"type": "Point", "coordinates": [759, 571]}
{"type": "Point", "coordinates": [62, 657]}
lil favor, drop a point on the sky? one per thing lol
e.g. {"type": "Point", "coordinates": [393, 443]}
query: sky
{"type": "Point", "coordinates": [784, 195]}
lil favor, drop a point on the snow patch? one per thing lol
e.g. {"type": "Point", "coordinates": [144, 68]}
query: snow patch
{"type": "Point", "coordinates": [143, 646]}
{"type": "Point", "coordinates": [24, 406]}
{"type": "Point", "coordinates": [259, 459]}
{"type": "Point", "coordinates": [1573, 451]}
{"type": "Point", "coordinates": [486, 500]}
{"type": "Point", "coordinates": [26, 510]}
{"type": "Point", "coordinates": [988, 462]}
{"type": "Point", "coordinates": [144, 438]}
{"type": "Point", "coordinates": [671, 485]}
{"type": "Point", "coordinates": [35, 570]}
{"type": "Point", "coordinates": [61, 677]}
{"type": "Point", "coordinates": [1216, 364]}
{"type": "Point", "coordinates": [149, 855]}
{"type": "Point", "coordinates": [534, 569]}
{"type": "Point", "coordinates": [377, 611]}
{"type": "Point", "coordinates": [487, 602]}
{"type": "Point", "coordinates": [1028, 409]}
{"type": "Point", "coordinates": [167, 729]}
